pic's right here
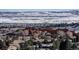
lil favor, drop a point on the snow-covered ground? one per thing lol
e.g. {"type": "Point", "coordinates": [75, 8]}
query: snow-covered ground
{"type": "Point", "coordinates": [53, 17]}
{"type": "Point", "coordinates": [40, 17]}
{"type": "Point", "coordinates": [68, 16]}
{"type": "Point", "coordinates": [54, 21]}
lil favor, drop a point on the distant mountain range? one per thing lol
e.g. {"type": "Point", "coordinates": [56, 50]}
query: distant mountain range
{"type": "Point", "coordinates": [39, 16]}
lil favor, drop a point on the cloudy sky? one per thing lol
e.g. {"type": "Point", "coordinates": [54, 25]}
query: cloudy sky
{"type": "Point", "coordinates": [15, 10]}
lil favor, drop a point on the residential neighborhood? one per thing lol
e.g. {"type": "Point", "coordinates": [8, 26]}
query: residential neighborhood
{"type": "Point", "coordinates": [38, 39]}
{"type": "Point", "coordinates": [39, 30]}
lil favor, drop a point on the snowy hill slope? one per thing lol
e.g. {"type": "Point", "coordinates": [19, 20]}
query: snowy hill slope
{"type": "Point", "coordinates": [69, 16]}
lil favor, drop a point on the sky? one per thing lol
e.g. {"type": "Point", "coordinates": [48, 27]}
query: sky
{"type": "Point", "coordinates": [15, 10]}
